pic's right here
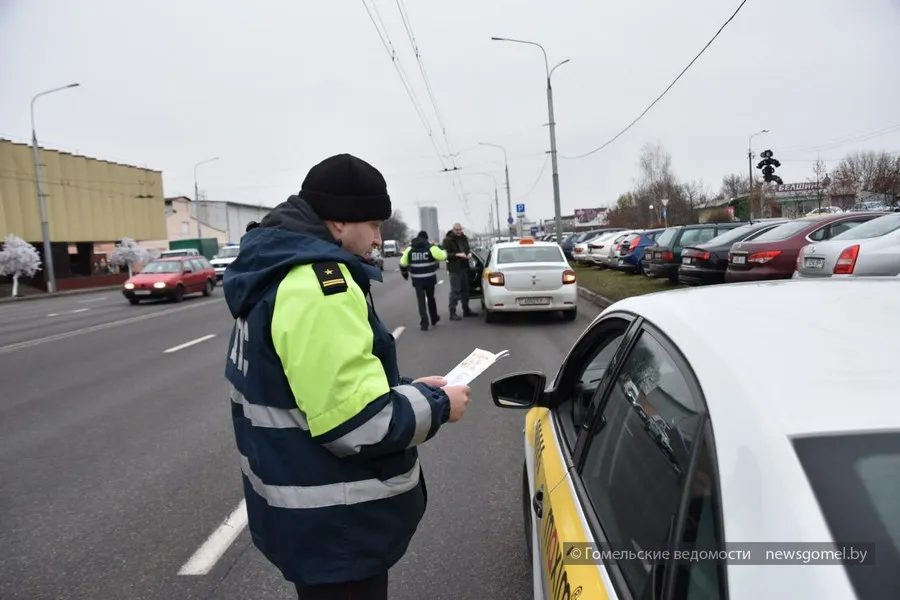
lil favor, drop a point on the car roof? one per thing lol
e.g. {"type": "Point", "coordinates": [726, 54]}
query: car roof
{"type": "Point", "coordinates": [516, 244]}
{"type": "Point", "coordinates": [796, 355]}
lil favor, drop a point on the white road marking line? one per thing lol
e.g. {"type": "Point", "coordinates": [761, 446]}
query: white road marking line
{"type": "Point", "coordinates": [207, 555]}
{"type": "Point", "coordinates": [79, 310]}
{"type": "Point", "coordinates": [92, 300]}
{"type": "Point", "coordinates": [190, 343]}
{"type": "Point", "coordinates": [398, 332]}
{"type": "Point", "coordinates": [61, 336]}
{"type": "Point", "coordinates": [53, 315]}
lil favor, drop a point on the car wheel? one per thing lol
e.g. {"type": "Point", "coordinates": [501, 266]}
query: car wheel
{"type": "Point", "coordinates": [209, 287]}
{"type": "Point", "coordinates": [490, 316]}
{"type": "Point", "coordinates": [569, 315]}
{"type": "Point", "coordinates": [178, 295]}
{"type": "Point", "coordinates": [134, 301]}
{"type": "Point", "coordinates": [526, 509]}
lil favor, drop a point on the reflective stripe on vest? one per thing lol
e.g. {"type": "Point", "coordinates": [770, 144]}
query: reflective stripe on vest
{"type": "Point", "coordinates": [332, 494]}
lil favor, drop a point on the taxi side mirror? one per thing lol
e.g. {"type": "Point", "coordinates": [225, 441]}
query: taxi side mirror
{"type": "Point", "coordinates": [519, 390]}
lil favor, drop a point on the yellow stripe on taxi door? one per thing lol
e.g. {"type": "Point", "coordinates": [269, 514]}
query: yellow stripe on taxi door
{"type": "Point", "coordinates": [560, 522]}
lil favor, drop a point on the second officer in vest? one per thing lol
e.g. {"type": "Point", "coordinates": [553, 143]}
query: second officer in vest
{"type": "Point", "coordinates": [420, 262]}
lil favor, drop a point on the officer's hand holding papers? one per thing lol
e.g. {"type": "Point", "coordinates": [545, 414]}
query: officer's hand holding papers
{"type": "Point", "coordinates": [458, 394]}
{"type": "Point", "coordinates": [472, 366]}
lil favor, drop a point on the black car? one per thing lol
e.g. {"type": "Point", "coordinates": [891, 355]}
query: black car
{"type": "Point", "coordinates": [705, 264]}
{"type": "Point", "coordinates": [665, 257]}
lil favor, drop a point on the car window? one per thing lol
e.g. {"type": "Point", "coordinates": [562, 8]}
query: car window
{"type": "Point", "coordinates": [528, 254]}
{"type": "Point", "coordinates": [856, 481]}
{"type": "Point", "coordinates": [873, 228]}
{"type": "Point", "coordinates": [729, 236]}
{"type": "Point", "coordinates": [783, 231]}
{"type": "Point", "coordinates": [699, 235]}
{"type": "Point", "coordinates": [162, 266]}
{"type": "Point", "coordinates": [666, 237]}
{"type": "Point", "coordinates": [636, 462]}
{"type": "Point", "coordinates": [753, 236]}
{"type": "Point", "coordinates": [573, 411]}
{"type": "Point", "coordinates": [842, 227]}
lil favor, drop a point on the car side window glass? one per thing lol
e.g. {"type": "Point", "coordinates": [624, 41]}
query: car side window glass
{"type": "Point", "coordinates": [839, 228]}
{"type": "Point", "coordinates": [707, 234]}
{"type": "Point", "coordinates": [819, 234]}
{"type": "Point", "coordinates": [636, 462]}
{"type": "Point", "coordinates": [573, 411]}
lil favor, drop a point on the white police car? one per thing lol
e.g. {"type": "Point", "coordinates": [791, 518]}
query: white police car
{"type": "Point", "coordinates": [223, 258]}
{"type": "Point", "coordinates": [528, 276]}
{"type": "Point", "coordinates": [719, 464]}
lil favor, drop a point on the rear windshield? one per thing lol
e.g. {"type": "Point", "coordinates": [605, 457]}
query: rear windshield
{"type": "Point", "coordinates": [731, 235]}
{"type": "Point", "coordinates": [870, 229]}
{"type": "Point", "coordinates": [666, 237]}
{"type": "Point", "coordinates": [784, 231]}
{"type": "Point", "coordinates": [525, 254]}
{"type": "Point", "coordinates": [856, 481]}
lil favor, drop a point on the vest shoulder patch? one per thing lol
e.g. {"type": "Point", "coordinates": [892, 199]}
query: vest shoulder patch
{"type": "Point", "coordinates": [331, 278]}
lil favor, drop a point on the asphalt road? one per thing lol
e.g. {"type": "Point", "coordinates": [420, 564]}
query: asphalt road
{"type": "Point", "coordinates": [117, 458]}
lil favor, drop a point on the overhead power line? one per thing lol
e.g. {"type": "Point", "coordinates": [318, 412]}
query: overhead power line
{"type": "Point", "coordinates": [665, 91]}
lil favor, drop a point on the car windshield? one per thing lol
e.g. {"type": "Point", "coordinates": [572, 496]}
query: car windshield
{"type": "Point", "coordinates": [525, 254]}
{"type": "Point", "coordinates": [856, 481]}
{"type": "Point", "coordinates": [163, 266]}
{"type": "Point", "coordinates": [871, 229]}
{"type": "Point", "coordinates": [228, 252]}
{"type": "Point", "coordinates": [784, 231]}
{"type": "Point", "coordinates": [666, 237]}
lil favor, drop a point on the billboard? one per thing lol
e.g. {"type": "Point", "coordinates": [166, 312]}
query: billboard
{"type": "Point", "coordinates": [591, 217]}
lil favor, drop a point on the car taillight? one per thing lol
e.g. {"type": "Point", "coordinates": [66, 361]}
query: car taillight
{"type": "Point", "coordinates": [569, 276]}
{"type": "Point", "coordinates": [762, 258]}
{"type": "Point", "coordinates": [702, 255]}
{"type": "Point", "coordinates": [579, 249]}
{"type": "Point", "coordinates": [668, 256]}
{"type": "Point", "coordinates": [846, 261]}
{"type": "Point", "coordinates": [495, 278]}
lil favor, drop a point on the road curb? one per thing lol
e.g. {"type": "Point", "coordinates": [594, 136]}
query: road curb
{"type": "Point", "coordinates": [45, 295]}
{"type": "Point", "coordinates": [594, 297]}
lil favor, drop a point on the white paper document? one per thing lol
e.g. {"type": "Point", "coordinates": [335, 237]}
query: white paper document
{"type": "Point", "coordinates": [472, 366]}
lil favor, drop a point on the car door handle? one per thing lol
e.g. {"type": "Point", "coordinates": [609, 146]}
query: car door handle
{"type": "Point", "coordinates": [537, 503]}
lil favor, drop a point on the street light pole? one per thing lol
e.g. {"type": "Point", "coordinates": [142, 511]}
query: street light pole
{"type": "Point", "coordinates": [197, 194]}
{"type": "Point", "coordinates": [508, 193]}
{"type": "Point", "coordinates": [42, 198]}
{"type": "Point", "coordinates": [552, 124]}
{"type": "Point", "coordinates": [750, 175]}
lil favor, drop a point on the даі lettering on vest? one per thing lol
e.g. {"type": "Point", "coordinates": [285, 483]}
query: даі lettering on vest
{"type": "Point", "coordinates": [420, 262]}
{"type": "Point", "coordinates": [326, 427]}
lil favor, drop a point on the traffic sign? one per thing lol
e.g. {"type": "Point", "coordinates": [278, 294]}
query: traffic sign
{"type": "Point", "coordinates": [665, 202]}
{"type": "Point", "coordinates": [520, 208]}
{"type": "Point", "coordinates": [510, 220]}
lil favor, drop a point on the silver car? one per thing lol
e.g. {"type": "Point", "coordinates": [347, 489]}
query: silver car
{"type": "Point", "coordinates": [869, 249]}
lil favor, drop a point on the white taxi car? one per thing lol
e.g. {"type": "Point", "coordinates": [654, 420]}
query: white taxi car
{"type": "Point", "coordinates": [528, 276]}
{"type": "Point", "coordinates": [663, 438]}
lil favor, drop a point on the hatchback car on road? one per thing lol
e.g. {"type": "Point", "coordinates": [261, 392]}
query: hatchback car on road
{"type": "Point", "coordinates": [773, 255]}
{"type": "Point", "coordinates": [871, 249]}
{"type": "Point", "coordinates": [658, 436]}
{"type": "Point", "coordinates": [171, 278]}
{"type": "Point", "coordinates": [528, 276]}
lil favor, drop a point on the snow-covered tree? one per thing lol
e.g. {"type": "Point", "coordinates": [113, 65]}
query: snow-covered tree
{"type": "Point", "coordinates": [127, 253]}
{"type": "Point", "coordinates": [18, 258]}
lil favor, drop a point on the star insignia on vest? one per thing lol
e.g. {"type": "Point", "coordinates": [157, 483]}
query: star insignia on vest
{"type": "Point", "coordinates": [330, 278]}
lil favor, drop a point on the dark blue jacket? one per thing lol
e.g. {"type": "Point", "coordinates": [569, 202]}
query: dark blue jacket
{"type": "Point", "coordinates": [336, 505]}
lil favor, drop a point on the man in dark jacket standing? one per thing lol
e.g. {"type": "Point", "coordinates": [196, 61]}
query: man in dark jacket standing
{"type": "Point", "coordinates": [420, 261]}
{"type": "Point", "coordinates": [458, 255]}
{"type": "Point", "coordinates": [326, 428]}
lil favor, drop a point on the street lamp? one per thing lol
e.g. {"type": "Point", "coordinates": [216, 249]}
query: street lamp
{"type": "Point", "coordinates": [197, 192]}
{"type": "Point", "coordinates": [509, 218]}
{"type": "Point", "coordinates": [496, 198]}
{"type": "Point", "coordinates": [750, 181]}
{"type": "Point", "coordinates": [549, 71]}
{"type": "Point", "coordinates": [42, 200]}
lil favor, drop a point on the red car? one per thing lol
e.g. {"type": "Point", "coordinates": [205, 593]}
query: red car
{"type": "Point", "coordinates": [773, 255]}
{"type": "Point", "coordinates": [171, 278]}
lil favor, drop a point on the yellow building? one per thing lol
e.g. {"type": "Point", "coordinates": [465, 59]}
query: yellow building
{"type": "Point", "coordinates": [90, 203]}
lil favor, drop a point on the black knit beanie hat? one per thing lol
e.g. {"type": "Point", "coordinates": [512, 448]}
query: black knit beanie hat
{"type": "Point", "coordinates": [346, 188]}
{"type": "Point", "coordinates": [423, 235]}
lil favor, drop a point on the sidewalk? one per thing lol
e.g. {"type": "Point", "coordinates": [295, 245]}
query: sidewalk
{"type": "Point", "coordinates": [34, 294]}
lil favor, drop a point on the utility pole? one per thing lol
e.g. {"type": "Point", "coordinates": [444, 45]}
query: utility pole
{"type": "Point", "coordinates": [42, 197]}
{"type": "Point", "coordinates": [750, 176]}
{"type": "Point", "coordinates": [197, 193]}
{"type": "Point", "coordinates": [497, 209]}
{"type": "Point", "coordinates": [509, 219]}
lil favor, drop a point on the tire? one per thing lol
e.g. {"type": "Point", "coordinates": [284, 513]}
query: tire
{"type": "Point", "coordinates": [134, 301]}
{"type": "Point", "coordinates": [209, 287]}
{"type": "Point", "coordinates": [178, 296]}
{"type": "Point", "coordinates": [570, 315]}
{"type": "Point", "coordinates": [490, 316]}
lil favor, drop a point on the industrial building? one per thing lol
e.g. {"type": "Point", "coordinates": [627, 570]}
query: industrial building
{"type": "Point", "coordinates": [230, 217]}
{"type": "Point", "coordinates": [428, 221]}
{"type": "Point", "coordinates": [91, 203]}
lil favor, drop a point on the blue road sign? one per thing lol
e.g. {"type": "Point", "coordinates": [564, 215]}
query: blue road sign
{"type": "Point", "coordinates": [510, 220]}
{"type": "Point", "coordinates": [520, 208]}
{"type": "Point", "coordinates": [534, 231]}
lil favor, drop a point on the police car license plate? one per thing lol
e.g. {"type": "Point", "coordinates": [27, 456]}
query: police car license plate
{"type": "Point", "coordinates": [534, 301]}
{"type": "Point", "coordinates": [142, 293]}
{"type": "Point", "coordinates": [814, 263]}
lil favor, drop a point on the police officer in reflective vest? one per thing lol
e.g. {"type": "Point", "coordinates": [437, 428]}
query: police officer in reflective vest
{"type": "Point", "coordinates": [420, 261]}
{"type": "Point", "coordinates": [326, 428]}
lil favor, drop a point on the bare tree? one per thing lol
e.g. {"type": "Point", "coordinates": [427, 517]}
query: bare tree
{"type": "Point", "coordinates": [695, 196]}
{"type": "Point", "coordinates": [870, 171]}
{"type": "Point", "coordinates": [734, 186]}
{"type": "Point", "coordinates": [395, 228]}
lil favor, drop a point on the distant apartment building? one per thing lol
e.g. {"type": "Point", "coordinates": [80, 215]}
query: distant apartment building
{"type": "Point", "coordinates": [428, 221]}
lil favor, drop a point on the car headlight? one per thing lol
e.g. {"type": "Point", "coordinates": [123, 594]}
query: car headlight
{"type": "Point", "coordinates": [159, 285]}
{"type": "Point", "coordinates": [129, 286]}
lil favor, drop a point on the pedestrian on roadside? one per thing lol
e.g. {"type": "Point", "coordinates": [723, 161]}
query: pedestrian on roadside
{"type": "Point", "coordinates": [326, 428]}
{"type": "Point", "coordinates": [420, 261]}
{"type": "Point", "coordinates": [456, 244]}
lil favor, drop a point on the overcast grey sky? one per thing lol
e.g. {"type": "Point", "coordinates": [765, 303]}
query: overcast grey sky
{"type": "Point", "coordinates": [272, 87]}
